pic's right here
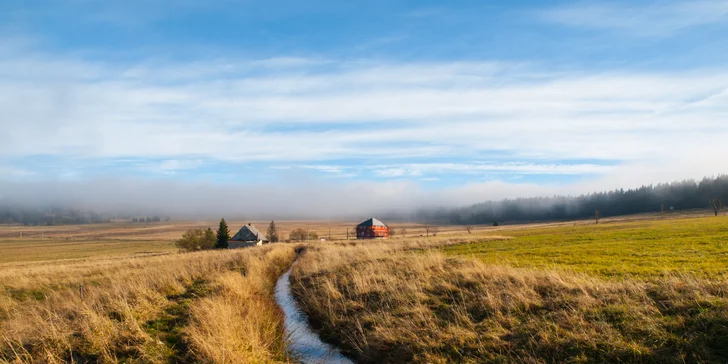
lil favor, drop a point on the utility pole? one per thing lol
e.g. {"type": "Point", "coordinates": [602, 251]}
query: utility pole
{"type": "Point", "coordinates": [347, 233]}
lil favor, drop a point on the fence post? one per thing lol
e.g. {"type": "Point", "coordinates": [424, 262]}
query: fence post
{"type": "Point", "coordinates": [80, 290]}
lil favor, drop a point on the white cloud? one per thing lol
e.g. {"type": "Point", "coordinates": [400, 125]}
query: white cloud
{"type": "Point", "coordinates": [297, 112]}
{"type": "Point", "coordinates": [652, 19]}
{"type": "Point", "coordinates": [421, 169]}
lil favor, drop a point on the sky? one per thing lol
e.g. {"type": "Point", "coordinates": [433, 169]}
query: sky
{"type": "Point", "coordinates": [331, 108]}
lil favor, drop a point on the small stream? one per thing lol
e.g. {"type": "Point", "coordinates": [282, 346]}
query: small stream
{"type": "Point", "coordinates": [303, 342]}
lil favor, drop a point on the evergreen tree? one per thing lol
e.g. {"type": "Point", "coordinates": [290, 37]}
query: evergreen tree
{"type": "Point", "coordinates": [223, 235]}
{"type": "Point", "coordinates": [272, 233]}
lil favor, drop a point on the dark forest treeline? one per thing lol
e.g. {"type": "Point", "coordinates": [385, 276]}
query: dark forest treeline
{"type": "Point", "coordinates": [683, 195]}
{"type": "Point", "coordinates": [52, 216]}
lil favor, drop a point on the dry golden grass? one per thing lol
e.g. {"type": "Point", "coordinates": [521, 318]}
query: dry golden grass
{"type": "Point", "coordinates": [148, 309]}
{"type": "Point", "coordinates": [384, 302]}
{"type": "Point", "coordinates": [241, 322]}
{"type": "Point", "coordinates": [40, 243]}
{"type": "Point", "coordinates": [394, 300]}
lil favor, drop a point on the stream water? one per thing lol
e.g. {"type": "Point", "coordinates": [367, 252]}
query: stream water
{"type": "Point", "coordinates": [304, 343]}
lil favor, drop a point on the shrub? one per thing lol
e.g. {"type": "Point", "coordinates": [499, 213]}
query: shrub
{"type": "Point", "coordinates": [197, 239]}
{"type": "Point", "coordinates": [302, 235]}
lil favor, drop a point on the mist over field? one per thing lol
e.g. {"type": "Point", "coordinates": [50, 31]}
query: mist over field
{"type": "Point", "coordinates": [401, 200]}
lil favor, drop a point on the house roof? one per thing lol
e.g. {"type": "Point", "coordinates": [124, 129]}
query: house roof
{"type": "Point", "coordinates": [248, 233]}
{"type": "Point", "coordinates": [372, 222]}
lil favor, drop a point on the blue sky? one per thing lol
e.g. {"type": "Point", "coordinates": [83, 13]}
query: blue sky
{"type": "Point", "coordinates": [450, 102]}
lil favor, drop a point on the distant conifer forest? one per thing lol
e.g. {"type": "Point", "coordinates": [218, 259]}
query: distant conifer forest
{"type": "Point", "coordinates": [709, 193]}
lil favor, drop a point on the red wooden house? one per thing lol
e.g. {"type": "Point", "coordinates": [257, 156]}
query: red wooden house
{"type": "Point", "coordinates": [372, 229]}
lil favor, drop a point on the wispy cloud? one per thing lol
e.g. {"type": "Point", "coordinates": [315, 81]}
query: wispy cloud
{"type": "Point", "coordinates": [635, 18]}
{"type": "Point", "coordinates": [425, 169]}
{"type": "Point", "coordinates": [357, 110]}
{"type": "Point", "coordinates": [383, 118]}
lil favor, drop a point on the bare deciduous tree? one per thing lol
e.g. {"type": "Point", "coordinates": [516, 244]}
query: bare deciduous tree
{"type": "Point", "coordinates": [298, 235]}
{"type": "Point", "coordinates": [403, 232]}
{"type": "Point", "coordinates": [468, 228]}
{"type": "Point", "coordinates": [717, 205]}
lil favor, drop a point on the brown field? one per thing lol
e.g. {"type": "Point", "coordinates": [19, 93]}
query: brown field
{"type": "Point", "coordinates": [40, 243]}
{"type": "Point", "coordinates": [137, 239]}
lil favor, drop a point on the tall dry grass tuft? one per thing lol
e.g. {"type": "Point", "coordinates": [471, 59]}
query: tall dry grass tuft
{"type": "Point", "coordinates": [241, 323]}
{"type": "Point", "coordinates": [384, 303]}
{"type": "Point", "coordinates": [135, 309]}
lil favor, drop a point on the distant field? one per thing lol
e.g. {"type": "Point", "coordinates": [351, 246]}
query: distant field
{"type": "Point", "coordinates": [40, 243]}
{"type": "Point", "coordinates": [52, 249]}
{"type": "Point", "coordinates": [639, 248]}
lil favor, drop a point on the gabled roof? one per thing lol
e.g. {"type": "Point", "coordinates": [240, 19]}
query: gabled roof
{"type": "Point", "coordinates": [248, 233]}
{"type": "Point", "coordinates": [372, 222]}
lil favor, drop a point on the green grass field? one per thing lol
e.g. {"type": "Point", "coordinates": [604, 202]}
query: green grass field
{"type": "Point", "coordinates": [697, 246]}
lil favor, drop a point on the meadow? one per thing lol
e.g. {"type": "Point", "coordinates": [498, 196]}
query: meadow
{"type": "Point", "coordinates": [651, 248]}
{"type": "Point", "coordinates": [623, 291]}
{"type": "Point", "coordinates": [631, 289]}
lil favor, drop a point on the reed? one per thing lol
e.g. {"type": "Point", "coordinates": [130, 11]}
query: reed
{"type": "Point", "coordinates": [147, 309]}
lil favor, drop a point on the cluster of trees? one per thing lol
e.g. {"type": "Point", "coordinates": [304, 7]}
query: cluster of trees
{"type": "Point", "coordinates": [10, 214]}
{"type": "Point", "coordinates": [17, 214]}
{"type": "Point", "coordinates": [302, 235]}
{"type": "Point", "coordinates": [145, 219]}
{"type": "Point", "coordinates": [205, 239]}
{"type": "Point", "coordinates": [273, 234]}
{"type": "Point", "coordinates": [197, 239]}
{"type": "Point", "coordinates": [689, 194]}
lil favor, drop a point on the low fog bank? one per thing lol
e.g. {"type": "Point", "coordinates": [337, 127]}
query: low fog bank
{"type": "Point", "coordinates": [396, 200]}
{"type": "Point", "coordinates": [310, 200]}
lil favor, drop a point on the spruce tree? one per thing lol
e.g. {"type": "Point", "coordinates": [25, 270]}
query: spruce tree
{"type": "Point", "coordinates": [223, 235]}
{"type": "Point", "coordinates": [272, 233]}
